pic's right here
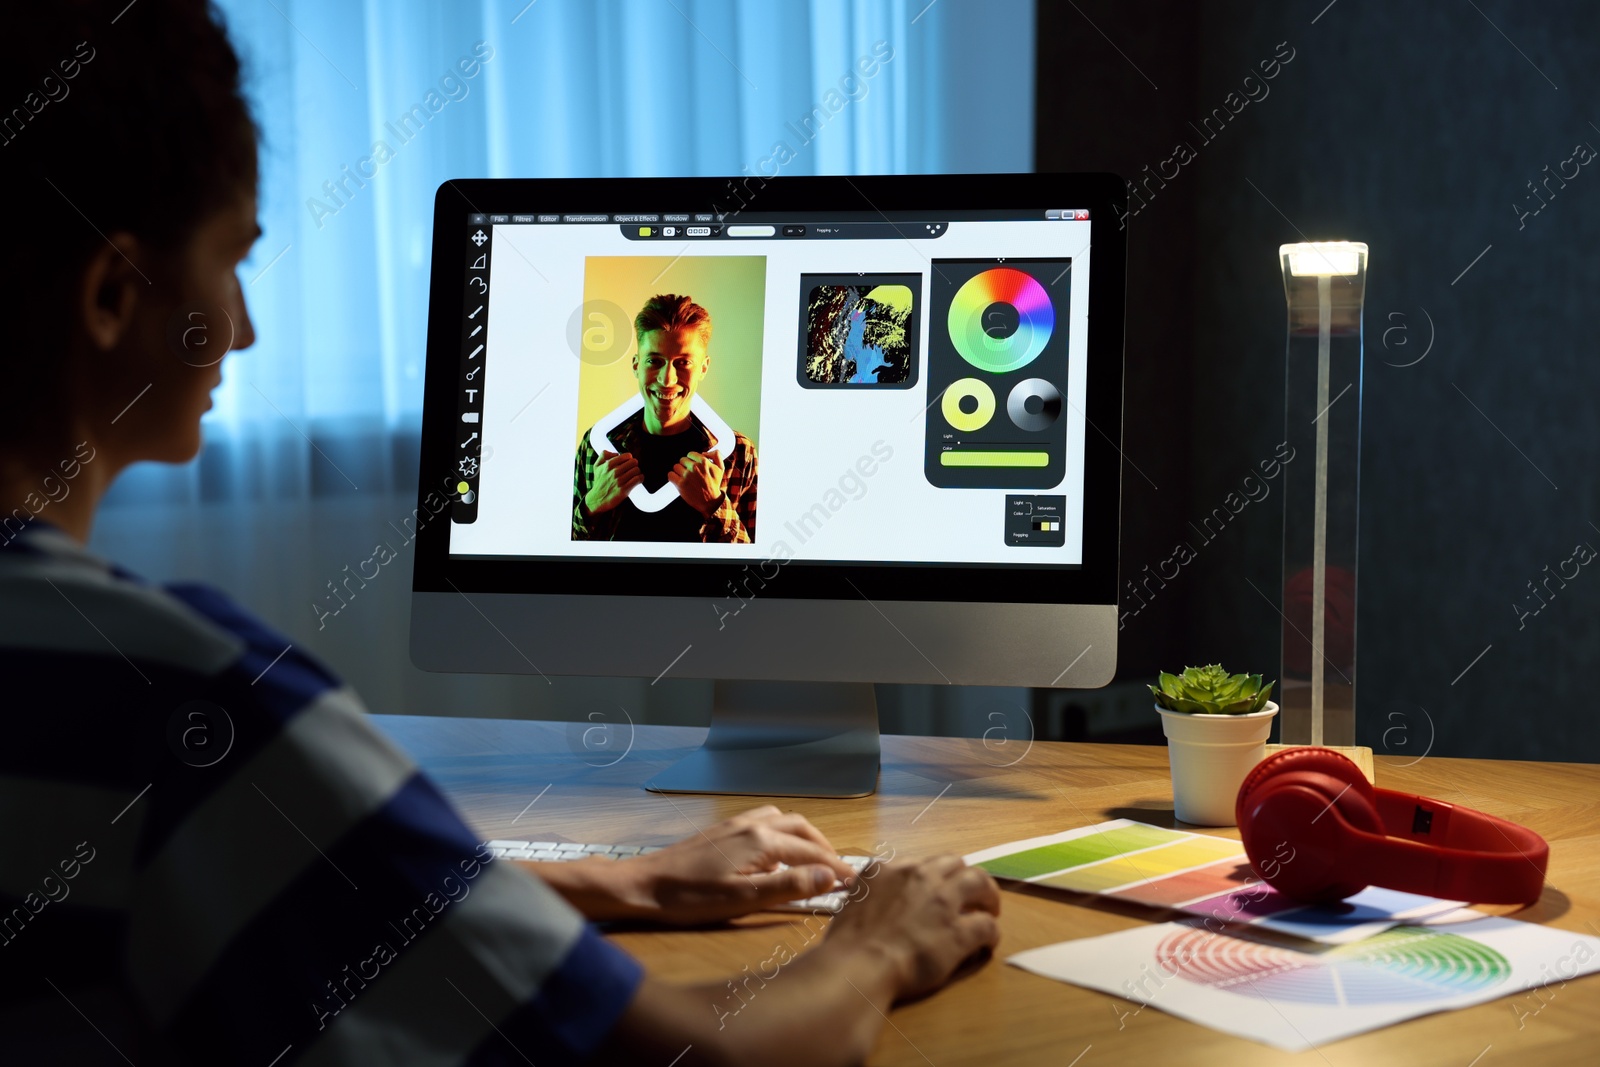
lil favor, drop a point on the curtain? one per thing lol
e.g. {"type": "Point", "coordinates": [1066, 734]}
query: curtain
{"type": "Point", "coordinates": [366, 107]}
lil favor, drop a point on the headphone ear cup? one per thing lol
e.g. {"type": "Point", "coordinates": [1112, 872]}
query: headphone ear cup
{"type": "Point", "coordinates": [1296, 813]}
{"type": "Point", "coordinates": [1320, 761]}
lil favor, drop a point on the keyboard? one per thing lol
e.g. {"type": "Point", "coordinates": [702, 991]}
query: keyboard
{"type": "Point", "coordinates": [566, 852]}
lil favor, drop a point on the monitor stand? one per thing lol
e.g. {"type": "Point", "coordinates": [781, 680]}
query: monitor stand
{"type": "Point", "coordinates": [783, 739]}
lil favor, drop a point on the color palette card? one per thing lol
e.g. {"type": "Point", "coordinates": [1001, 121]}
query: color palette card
{"type": "Point", "coordinates": [1297, 996]}
{"type": "Point", "coordinates": [1208, 876]}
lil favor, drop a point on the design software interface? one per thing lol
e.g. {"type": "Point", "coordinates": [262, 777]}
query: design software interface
{"type": "Point", "coordinates": [888, 387]}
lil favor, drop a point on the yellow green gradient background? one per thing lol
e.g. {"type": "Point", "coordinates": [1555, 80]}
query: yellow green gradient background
{"type": "Point", "coordinates": [732, 288]}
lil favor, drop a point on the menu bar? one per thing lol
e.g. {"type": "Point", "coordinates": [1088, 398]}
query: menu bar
{"type": "Point", "coordinates": [777, 218]}
{"type": "Point", "coordinates": [849, 231]}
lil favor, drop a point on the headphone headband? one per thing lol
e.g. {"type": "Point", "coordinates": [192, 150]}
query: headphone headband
{"type": "Point", "coordinates": [1443, 850]}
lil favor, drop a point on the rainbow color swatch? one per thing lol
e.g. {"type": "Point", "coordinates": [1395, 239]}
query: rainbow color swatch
{"type": "Point", "coordinates": [969, 312]}
{"type": "Point", "coordinates": [1195, 873]}
{"type": "Point", "coordinates": [1405, 964]}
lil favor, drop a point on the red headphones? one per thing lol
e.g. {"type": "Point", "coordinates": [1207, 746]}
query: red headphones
{"type": "Point", "coordinates": [1346, 835]}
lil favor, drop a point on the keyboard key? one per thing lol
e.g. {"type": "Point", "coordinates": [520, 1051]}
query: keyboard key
{"type": "Point", "coordinates": [825, 902]}
{"type": "Point", "coordinates": [519, 854]}
{"type": "Point", "coordinates": [548, 855]}
{"type": "Point", "coordinates": [624, 850]}
{"type": "Point", "coordinates": [597, 849]}
{"type": "Point", "coordinates": [568, 846]}
{"type": "Point", "coordinates": [509, 844]}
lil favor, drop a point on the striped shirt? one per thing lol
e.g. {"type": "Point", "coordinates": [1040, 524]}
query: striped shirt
{"type": "Point", "coordinates": [209, 855]}
{"type": "Point", "coordinates": [732, 522]}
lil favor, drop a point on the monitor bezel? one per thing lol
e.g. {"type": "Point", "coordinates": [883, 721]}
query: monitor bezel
{"type": "Point", "coordinates": [1094, 581]}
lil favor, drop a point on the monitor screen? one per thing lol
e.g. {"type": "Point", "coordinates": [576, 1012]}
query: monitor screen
{"type": "Point", "coordinates": [897, 389]}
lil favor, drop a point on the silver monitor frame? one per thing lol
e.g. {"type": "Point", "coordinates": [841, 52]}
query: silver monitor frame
{"type": "Point", "coordinates": [812, 730]}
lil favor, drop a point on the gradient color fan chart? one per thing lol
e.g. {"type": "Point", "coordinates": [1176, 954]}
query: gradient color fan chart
{"type": "Point", "coordinates": [1196, 873]}
{"type": "Point", "coordinates": [1402, 964]}
{"type": "Point", "coordinates": [1315, 994]}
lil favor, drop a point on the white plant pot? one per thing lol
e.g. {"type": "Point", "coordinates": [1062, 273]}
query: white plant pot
{"type": "Point", "coordinates": [1210, 756]}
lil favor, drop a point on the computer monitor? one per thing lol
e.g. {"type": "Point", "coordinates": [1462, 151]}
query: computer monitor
{"type": "Point", "coordinates": [920, 378]}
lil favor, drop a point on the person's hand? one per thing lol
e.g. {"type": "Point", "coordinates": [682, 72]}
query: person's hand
{"type": "Point", "coordinates": [698, 477]}
{"type": "Point", "coordinates": [927, 916]}
{"type": "Point", "coordinates": [732, 868]}
{"type": "Point", "coordinates": [614, 478]}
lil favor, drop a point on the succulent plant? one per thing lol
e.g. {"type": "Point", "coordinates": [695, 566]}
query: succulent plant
{"type": "Point", "coordinates": [1211, 691]}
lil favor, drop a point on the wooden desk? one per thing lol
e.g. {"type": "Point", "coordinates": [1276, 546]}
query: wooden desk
{"type": "Point", "coordinates": [953, 795]}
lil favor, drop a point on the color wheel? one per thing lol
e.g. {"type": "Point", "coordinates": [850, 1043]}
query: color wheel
{"type": "Point", "coordinates": [1001, 285]}
{"type": "Point", "coordinates": [1405, 964]}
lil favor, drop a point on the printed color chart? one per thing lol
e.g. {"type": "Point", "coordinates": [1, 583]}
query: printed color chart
{"type": "Point", "coordinates": [1298, 998]}
{"type": "Point", "coordinates": [1195, 873]}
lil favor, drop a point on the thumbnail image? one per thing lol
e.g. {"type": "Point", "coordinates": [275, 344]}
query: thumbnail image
{"type": "Point", "coordinates": [859, 330]}
{"type": "Point", "coordinates": [666, 447]}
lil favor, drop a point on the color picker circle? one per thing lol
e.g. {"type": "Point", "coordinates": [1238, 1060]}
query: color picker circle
{"type": "Point", "coordinates": [1406, 964]}
{"type": "Point", "coordinates": [983, 404]}
{"type": "Point", "coordinates": [1034, 404]}
{"type": "Point", "coordinates": [981, 331]}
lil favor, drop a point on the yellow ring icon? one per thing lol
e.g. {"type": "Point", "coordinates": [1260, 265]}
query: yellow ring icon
{"type": "Point", "coordinates": [958, 391]}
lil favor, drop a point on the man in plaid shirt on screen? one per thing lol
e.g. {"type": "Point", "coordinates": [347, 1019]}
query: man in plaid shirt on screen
{"type": "Point", "coordinates": [664, 444]}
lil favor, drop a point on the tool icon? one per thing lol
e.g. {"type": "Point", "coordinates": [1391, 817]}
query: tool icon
{"type": "Point", "coordinates": [475, 371]}
{"type": "Point", "coordinates": [476, 330]}
{"type": "Point", "coordinates": [481, 263]}
{"type": "Point", "coordinates": [469, 416]}
{"type": "Point", "coordinates": [471, 439]}
{"type": "Point", "coordinates": [478, 238]}
{"type": "Point", "coordinates": [483, 286]}
{"type": "Point", "coordinates": [475, 352]}
{"type": "Point", "coordinates": [475, 313]}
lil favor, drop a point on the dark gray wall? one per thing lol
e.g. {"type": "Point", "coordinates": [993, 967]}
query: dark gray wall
{"type": "Point", "coordinates": [1414, 127]}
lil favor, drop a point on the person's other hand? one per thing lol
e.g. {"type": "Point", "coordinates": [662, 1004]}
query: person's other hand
{"type": "Point", "coordinates": [928, 916]}
{"type": "Point", "coordinates": [731, 868]}
{"type": "Point", "coordinates": [698, 477]}
{"type": "Point", "coordinates": [614, 478]}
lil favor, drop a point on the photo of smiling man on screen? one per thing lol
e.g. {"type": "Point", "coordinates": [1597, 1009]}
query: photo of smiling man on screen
{"type": "Point", "coordinates": [662, 473]}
